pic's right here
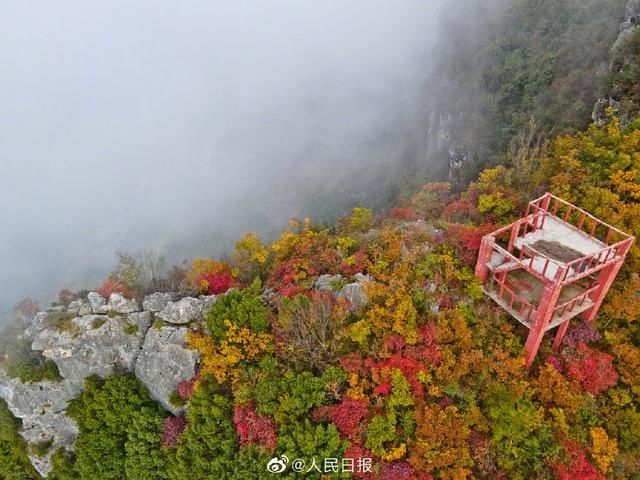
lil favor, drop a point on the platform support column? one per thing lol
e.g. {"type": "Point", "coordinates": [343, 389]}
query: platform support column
{"type": "Point", "coordinates": [562, 329]}
{"type": "Point", "coordinates": [484, 256]}
{"type": "Point", "coordinates": [605, 278]}
{"type": "Point", "coordinates": [545, 312]}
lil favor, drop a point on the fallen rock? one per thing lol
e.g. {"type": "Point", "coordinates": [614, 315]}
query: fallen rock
{"type": "Point", "coordinates": [164, 362]}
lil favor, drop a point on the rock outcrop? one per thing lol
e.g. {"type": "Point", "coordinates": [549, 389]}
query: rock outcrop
{"type": "Point", "coordinates": [185, 310]}
{"type": "Point", "coordinates": [164, 362]}
{"type": "Point", "coordinates": [612, 104]}
{"type": "Point", "coordinates": [96, 336]}
{"type": "Point", "coordinates": [354, 293]}
{"type": "Point", "coordinates": [41, 407]}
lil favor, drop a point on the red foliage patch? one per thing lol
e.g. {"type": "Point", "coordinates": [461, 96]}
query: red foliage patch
{"type": "Point", "coordinates": [347, 415]}
{"type": "Point", "coordinates": [353, 363]}
{"type": "Point", "coordinates": [358, 265]}
{"type": "Point", "coordinates": [216, 283]}
{"type": "Point", "coordinates": [109, 286]}
{"type": "Point", "coordinates": [394, 342]}
{"type": "Point", "coordinates": [254, 428]}
{"type": "Point", "coordinates": [409, 368]}
{"type": "Point", "coordinates": [578, 468]}
{"type": "Point", "coordinates": [408, 214]}
{"type": "Point", "coordinates": [459, 210]}
{"type": "Point", "coordinates": [555, 362]}
{"type": "Point", "coordinates": [356, 453]}
{"type": "Point", "coordinates": [466, 240]}
{"type": "Point", "coordinates": [173, 427]}
{"type": "Point", "coordinates": [186, 387]}
{"type": "Point", "coordinates": [592, 368]}
{"type": "Point", "coordinates": [383, 389]}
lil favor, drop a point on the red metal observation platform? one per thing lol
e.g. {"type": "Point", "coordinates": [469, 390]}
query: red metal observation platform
{"type": "Point", "coordinates": [555, 263]}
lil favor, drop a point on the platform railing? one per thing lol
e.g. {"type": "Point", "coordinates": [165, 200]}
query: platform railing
{"type": "Point", "coordinates": [573, 304]}
{"type": "Point", "coordinates": [550, 206]}
{"type": "Point", "coordinates": [583, 221]}
{"type": "Point", "coordinates": [526, 310]}
{"type": "Point", "coordinates": [536, 263]}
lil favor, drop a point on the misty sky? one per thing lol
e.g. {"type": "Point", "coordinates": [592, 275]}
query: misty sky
{"type": "Point", "coordinates": [171, 125]}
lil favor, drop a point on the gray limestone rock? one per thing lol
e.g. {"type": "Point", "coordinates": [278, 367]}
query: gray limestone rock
{"type": "Point", "coordinates": [354, 294]}
{"type": "Point", "coordinates": [97, 302]}
{"type": "Point", "coordinates": [156, 302]}
{"type": "Point", "coordinates": [326, 282]}
{"type": "Point", "coordinates": [41, 407]}
{"type": "Point", "coordinates": [164, 362]}
{"type": "Point", "coordinates": [94, 344]}
{"type": "Point", "coordinates": [183, 311]}
{"type": "Point", "coordinates": [119, 304]}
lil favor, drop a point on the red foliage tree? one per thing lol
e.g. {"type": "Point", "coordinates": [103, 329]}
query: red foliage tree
{"type": "Point", "coordinates": [578, 467]}
{"type": "Point", "coordinates": [173, 428]}
{"type": "Point", "coordinates": [65, 296]}
{"type": "Point", "coordinates": [555, 362]}
{"type": "Point", "coordinates": [110, 286]}
{"type": "Point", "coordinates": [592, 368]}
{"type": "Point", "coordinates": [466, 240]}
{"type": "Point", "coordinates": [459, 211]}
{"type": "Point", "coordinates": [216, 283]}
{"type": "Point", "coordinates": [409, 368]}
{"type": "Point", "coordinates": [404, 213]}
{"type": "Point", "coordinates": [254, 428]}
{"type": "Point", "coordinates": [347, 415]}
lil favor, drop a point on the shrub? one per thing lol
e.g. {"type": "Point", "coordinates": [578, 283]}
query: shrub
{"type": "Point", "coordinates": [309, 330]}
{"type": "Point", "coordinates": [240, 308]}
{"type": "Point", "coordinates": [40, 449]}
{"type": "Point", "coordinates": [593, 369]}
{"type": "Point", "coordinates": [347, 416]}
{"type": "Point", "coordinates": [110, 286]}
{"type": "Point", "coordinates": [176, 400]}
{"type": "Point", "coordinates": [254, 428]}
{"type": "Point", "coordinates": [361, 220]}
{"type": "Point", "coordinates": [14, 462]}
{"type": "Point", "coordinates": [62, 321]}
{"type": "Point", "coordinates": [173, 428]}
{"type": "Point", "coordinates": [130, 329]}
{"type": "Point", "coordinates": [117, 421]}
{"type": "Point", "coordinates": [27, 365]}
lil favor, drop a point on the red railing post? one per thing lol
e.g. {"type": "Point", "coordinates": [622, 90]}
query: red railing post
{"type": "Point", "coordinates": [484, 256]}
{"type": "Point", "coordinates": [562, 329]}
{"type": "Point", "coordinates": [546, 309]}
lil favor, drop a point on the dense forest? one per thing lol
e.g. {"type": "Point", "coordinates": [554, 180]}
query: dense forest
{"type": "Point", "coordinates": [417, 375]}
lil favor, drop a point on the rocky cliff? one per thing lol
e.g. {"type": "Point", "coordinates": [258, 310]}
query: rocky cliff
{"type": "Point", "coordinates": [96, 336]}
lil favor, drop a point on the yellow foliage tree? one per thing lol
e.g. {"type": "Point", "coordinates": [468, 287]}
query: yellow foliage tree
{"type": "Point", "coordinates": [220, 359]}
{"type": "Point", "coordinates": [604, 449]}
{"type": "Point", "coordinates": [441, 442]}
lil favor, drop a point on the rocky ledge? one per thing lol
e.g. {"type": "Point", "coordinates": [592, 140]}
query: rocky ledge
{"type": "Point", "coordinates": [99, 336]}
